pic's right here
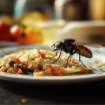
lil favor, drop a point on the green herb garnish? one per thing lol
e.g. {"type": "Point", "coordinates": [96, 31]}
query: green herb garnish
{"type": "Point", "coordinates": [14, 72]}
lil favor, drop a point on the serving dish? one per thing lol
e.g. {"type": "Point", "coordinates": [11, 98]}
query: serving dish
{"type": "Point", "coordinates": [73, 78]}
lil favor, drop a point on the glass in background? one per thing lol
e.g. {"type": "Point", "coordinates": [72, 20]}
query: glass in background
{"type": "Point", "coordinates": [69, 9]}
{"type": "Point", "coordinates": [96, 10]}
{"type": "Point", "coordinates": [25, 6]}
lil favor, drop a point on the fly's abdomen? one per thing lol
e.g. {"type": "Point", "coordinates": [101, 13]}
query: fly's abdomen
{"type": "Point", "coordinates": [83, 51]}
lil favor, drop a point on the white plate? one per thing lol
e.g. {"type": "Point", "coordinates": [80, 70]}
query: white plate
{"type": "Point", "coordinates": [99, 54]}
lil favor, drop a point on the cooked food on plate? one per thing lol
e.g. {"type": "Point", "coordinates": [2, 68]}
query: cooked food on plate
{"type": "Point", "coordinates": [40, 63]}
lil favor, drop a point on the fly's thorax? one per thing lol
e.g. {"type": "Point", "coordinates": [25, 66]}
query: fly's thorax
{"type": "Point", "coordinates": [67, 40]}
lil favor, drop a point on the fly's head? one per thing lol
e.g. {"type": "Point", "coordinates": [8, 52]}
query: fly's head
{"type": "Point", "coordinates": [57, 46]}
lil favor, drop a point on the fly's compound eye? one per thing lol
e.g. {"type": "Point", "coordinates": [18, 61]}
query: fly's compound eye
{"type": "Point", "coordinates": [59, 44]}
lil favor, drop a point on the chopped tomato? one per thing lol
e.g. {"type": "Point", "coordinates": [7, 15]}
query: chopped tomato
{"type": "Point", "coordinates": [12, 70]}
{"type": "Point", "coordinates": [53, 70]}
{"type": "Point", "coordinates": [16, 60]}
{"type": "Point", "coordinates": [20, 72]}
{"type": "Point", "coordinates": [62, 71]}
{"type": "Point", "coordinates": [41, 54]}
{"type": "Point", "coordinates": [38, 74]}
{"type": "Point", "coordinates": [23, 62]}
{"type": "Point", "coordinates": [8, 67]}
{"type": "Point", "coordinates": [32, 62]}
{"type": "Point", "coordinates": [3, 69]}
{"type": "Point", "coordinates": [75, 62]}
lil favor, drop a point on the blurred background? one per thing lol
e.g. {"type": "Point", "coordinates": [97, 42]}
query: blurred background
{"type": "Point", "coordinates": [47, 21]}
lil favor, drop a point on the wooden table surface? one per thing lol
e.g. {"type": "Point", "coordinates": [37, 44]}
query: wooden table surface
{"type": "Point", "coordinates": [81, 93]}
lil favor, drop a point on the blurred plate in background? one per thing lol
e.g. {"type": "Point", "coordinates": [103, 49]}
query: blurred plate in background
{"type": "Point", "coordinates": [7, 44]}
{"type": "Point", "coordinates": [85, 31]}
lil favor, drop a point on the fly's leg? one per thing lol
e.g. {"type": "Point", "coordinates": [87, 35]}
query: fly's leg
{"type": "Point", "coordinates": [70, 56]}
{"type": "Point", "coordinates": [55, 54]}
{"type": "Point", "coordinates": [68, 59]}
{"type": "Point", "coordinates": [59, 56]}
{"type": "Point", "coordinates": [80, 59]}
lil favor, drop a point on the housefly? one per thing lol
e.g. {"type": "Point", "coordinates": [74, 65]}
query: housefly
{"type": "Point", "coordinates": [70, 46]}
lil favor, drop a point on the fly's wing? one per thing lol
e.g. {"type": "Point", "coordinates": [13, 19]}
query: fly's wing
{"type": "Point", "coordinates": [89, 44]}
